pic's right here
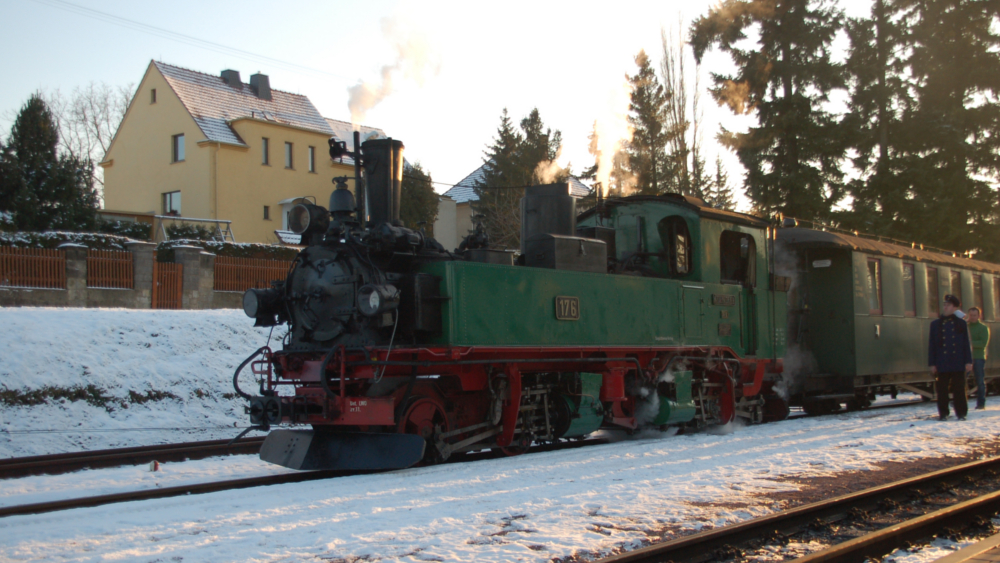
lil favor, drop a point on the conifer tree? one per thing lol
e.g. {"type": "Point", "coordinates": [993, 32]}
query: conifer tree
{"type": "Point", "coordinates": [647, 151]}
{"type": "Point", "coordinates": [719, 193]}
{"type": "Point", "coordinates": [40, 188]}
{"type": "Point", "coordinates": [951, 150]}
{"type": "Point", "coordinates": [418, 200]}
{"type": "Point", "coordinates": [516, 159]}
{"type": "Point", "coordinates": [793, 154]}
{"type": "Point", "coordinates": [880, 96]}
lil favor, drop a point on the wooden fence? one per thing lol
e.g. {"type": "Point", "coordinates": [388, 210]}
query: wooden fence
{"type": "Point", "coordinates": [110, 269]}
{"type": "Point", "coordinates": [168, 283]}
{"type": "Point", "coordinates": [240, 274]}
{"type": "Point", "coordinates": [32, 267]}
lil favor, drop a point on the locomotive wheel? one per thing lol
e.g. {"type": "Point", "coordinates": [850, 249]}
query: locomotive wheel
{"type": "Point", "coordinates": [420, 417]}
{"type": "Point", "coordinates": [775, 408]}
{"type": "Point", "coordinates": [517, 447]}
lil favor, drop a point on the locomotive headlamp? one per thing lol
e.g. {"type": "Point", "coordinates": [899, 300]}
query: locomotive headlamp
{"type": "Point", "coordinates": [263, 305]}
{"type": "Point", "coordinates": [307, 218]}
{"type": "Point", "coordinates": [377, 299]}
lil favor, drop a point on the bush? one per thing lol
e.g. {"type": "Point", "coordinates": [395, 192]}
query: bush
{"type": "Point", "coordinates": [188, 232]}
{"type": "Point", "coordinates": [165, 250]}
{"type": "Point", "coordinates": [52, 239]}
{"type": "Point", "coordinates": [130, 229]}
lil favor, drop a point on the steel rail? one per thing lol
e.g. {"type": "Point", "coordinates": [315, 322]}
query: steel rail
{"type": "Point", "coordinates": [702, 546]}
{"type": "Point", "coordinates": [249, 482]}
{"type": "Point", "coordinates": [64, 463]}
{"type": "Point", "coordinates": [888, 539]}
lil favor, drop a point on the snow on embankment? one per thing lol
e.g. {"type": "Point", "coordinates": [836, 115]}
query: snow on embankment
{"type": "Point", "coordinates": [80, 379]}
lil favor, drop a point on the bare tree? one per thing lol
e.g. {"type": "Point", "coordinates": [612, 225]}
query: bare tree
{"type": "Point", "coordinates": [686, 142]}
{"type": "Point", "coordinates": [88, 120]}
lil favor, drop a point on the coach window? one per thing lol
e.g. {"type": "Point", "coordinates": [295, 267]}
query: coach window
{"type": "Point", "coordinates": [933, 294]}
{"type": "Point", "coordinates": [977, 292]}
{"type": "Point", "coordinates": [996, 299]}
{"type": "Point", "coordinates": [676, 240]}
{"type": "Point", "coordinates": [956, 284]}
{"type": "Point", "coordinates": [737, 258]}
{"type": "Point", "coordinates": [909, 291]}
{"type": "Point", "coordinates": [874, 286]}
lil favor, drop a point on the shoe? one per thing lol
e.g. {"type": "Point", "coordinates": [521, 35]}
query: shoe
{"type": "Point", "coordinates": [943, 418]}
{"type": "Point", "coordinates": [982, 408]}
{"type": "Point", "coordinates": [961, 418]}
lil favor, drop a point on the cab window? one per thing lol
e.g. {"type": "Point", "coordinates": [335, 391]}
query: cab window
{"type": "Point", "coordinates": [738, 258]}
{"type": "Point", "coordinates": [676, 240]}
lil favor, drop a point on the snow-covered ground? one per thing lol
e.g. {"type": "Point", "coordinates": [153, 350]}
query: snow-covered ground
{"type": "Point", "coordinates": [530, 508]}
{"type": "Point", "coordinates": [115, 377]}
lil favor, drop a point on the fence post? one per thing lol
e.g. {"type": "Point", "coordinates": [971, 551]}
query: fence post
{"type": "Point", "coordinates": [143, 255]}
{"type": "Point", "coordinates": [76, 273]}
{"type": "Point", "coordinates": [199, 272]}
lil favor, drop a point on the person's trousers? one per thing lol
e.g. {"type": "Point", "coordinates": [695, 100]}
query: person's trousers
{"type": "Point", "coordinates": [979, 368]}
{"type": "Point", "coordinates": [953, 382]}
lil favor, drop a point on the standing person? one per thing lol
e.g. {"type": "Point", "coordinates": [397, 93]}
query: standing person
{"type": "Point", "coordinates": [980, 335]}
{"type": "Point", "coordinates": [950, 358]}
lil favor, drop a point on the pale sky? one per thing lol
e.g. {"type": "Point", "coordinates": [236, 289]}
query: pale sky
{"type": "Point", "coordinates": [568, 59]}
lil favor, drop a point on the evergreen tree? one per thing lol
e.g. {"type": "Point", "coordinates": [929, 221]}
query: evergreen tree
{"type": "Point", "coordinates": [418, 200]}
{"type": "Point", "coordinates": [647, 151]}
{"type": "Point", "coordinates": [516, 159]}
{"type": "Point", "coordinates": [719, 194]}
{"type": "Point", "coordinates": [880, 97]}
{"type": "Point", "coordinates": [951, 150]}
{"type": "Point", "coordinates": [40, 188]}
{"type": "Point", "coordinates": [793, 155]}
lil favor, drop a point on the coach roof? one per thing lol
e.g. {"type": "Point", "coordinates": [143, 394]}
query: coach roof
{"type": "Point", "coordinates": [812, 238]}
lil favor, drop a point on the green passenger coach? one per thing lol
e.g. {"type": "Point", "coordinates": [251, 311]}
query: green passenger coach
{"type": "Point", "coordinates": [860, 310]}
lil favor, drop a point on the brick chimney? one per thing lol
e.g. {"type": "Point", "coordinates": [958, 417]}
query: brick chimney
{"type": "Point", "coordinates": [232, 77]}
{"type": "Point", "coordinates": [261, 86]}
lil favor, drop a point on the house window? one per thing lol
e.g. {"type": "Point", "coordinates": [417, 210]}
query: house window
{"type": "Point", "coordinates": [265, 154]}
{"type": "Point", "coordinates": [177, 141]}
{"type": "Point", "coordinates": [267, 212]}
{"type": "Point", "coordinates": [909, 291]}
{"type": "Point", "coordinates": [977, 293]}
{"type": "Point", "coordinates": [737, 258]}
{"type": "Point", "coordinates": [956, 284]}
{"type": "Point", "coordinates": [933, 293]}
{"type": "Point", "coordinates": [152, 96]}
{"type": "Point", "coordinates": [288, 155]}
{"type": "Point", "coordinates": [312, 159]}
{"type": "Point", "coordinates": [172, 203]}
{"type": "Point", "coordinates": [874, 286]}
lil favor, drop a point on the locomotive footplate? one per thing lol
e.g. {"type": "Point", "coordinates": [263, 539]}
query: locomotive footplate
{"type": "Point", "coordinates": [344, 451]}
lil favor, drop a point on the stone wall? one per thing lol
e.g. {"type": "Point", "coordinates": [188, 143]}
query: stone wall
{"type": "Point", "coordinates": [197, 290]}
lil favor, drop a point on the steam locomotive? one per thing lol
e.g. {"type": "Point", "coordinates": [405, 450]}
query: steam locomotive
{"type": "Point", "coordinates": [644, 311]}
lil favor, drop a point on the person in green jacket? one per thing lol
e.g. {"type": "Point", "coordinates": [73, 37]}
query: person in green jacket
{"type": "Point", "coordinates": [979, 334]}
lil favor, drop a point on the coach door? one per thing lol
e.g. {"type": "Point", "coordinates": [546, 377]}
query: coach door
{"type": "Point", "coordinates": [738, 266]}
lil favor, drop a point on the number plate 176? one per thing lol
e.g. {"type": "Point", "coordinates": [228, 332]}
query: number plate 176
{"type": "Point", "coordinates": [568, 308]}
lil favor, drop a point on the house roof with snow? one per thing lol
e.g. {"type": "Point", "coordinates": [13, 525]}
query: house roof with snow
{"type": "Point", "coordinates": [464, 190]}
{"type": "Point", "coordinates": [344, 131]}
{"type": "Point", "coordinates": [214, 103]}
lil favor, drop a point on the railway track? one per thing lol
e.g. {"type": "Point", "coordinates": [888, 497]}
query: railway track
{"type": "Point", "coordinates": [729, 542]}
{"type": "Point", "coordinates": [65, 463]}
{"type": "Point", "coordinates": [234, 484]}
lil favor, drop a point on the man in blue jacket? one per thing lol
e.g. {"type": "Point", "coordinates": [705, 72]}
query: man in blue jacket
{"type": "Point", "coordinates": [950, 358]}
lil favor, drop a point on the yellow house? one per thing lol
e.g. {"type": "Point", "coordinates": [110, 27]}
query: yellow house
{"type": "Point", "coordinates": [200, 146]}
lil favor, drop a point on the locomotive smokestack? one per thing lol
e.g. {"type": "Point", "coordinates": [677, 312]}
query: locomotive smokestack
{"type": "Point", "coordinates": [383, 162]}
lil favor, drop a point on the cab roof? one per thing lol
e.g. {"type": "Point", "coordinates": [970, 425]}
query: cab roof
{"type": "Point", "coordinates": [695, 204]}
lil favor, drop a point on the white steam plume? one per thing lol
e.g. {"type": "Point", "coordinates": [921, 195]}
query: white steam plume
{"type": "Point", "coordinates": [548, 171]}
{"type": "Point", "coordinates": [611, 133]}
{"type": "Point", "coordinates": [415, 59]}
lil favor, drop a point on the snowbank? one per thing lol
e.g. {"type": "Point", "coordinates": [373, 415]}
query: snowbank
{"type": "Point", "coordinates": [80, 379]}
